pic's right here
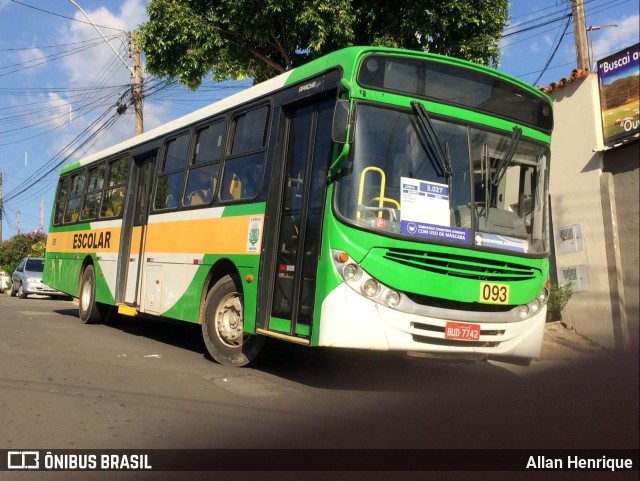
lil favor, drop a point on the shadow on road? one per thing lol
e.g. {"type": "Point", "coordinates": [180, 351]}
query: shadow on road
{"type": "Point", "coordinates": [324, 368]}
{"type": "Point", "coordinates": [67, 312]}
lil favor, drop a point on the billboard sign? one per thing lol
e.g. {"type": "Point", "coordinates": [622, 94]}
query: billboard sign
{"type": "Point", "coordinates": [618, 76]}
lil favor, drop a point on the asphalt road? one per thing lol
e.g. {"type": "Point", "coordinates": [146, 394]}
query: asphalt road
{"type": "Point", "coordinates": [148, 384]}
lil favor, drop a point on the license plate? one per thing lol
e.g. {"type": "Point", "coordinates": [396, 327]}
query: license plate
{"type": "Point", "coordinates": [494, 293]}
{"type": "Point", "coordinates": [461, 331]}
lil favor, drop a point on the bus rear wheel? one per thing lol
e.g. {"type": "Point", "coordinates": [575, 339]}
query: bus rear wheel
{"type": "Point", "coordinates": [91, 312]}
{"type": "Point", "coordinates": [223, 325]}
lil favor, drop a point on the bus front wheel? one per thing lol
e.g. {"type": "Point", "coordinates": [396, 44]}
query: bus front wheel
{"type": "Point", "coordinates": [223, 325]}
{"type": "Point", "coordinates": [90, 310]}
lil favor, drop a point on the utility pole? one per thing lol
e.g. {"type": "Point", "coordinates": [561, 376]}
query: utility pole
{"type": "Point", "coordinates": [18, 222]}
{"type": "Point", "coordinates": [134, 71]}
{"type": "Point", "coordinates": [591, 30]}
{"type": "Point", "coordinates": [137, 88]}
{"type": "Point", "coordinates": [42, 213]}
{"type": "Point", "coordinates": [580, 35]}
{"type": "Point", "coordinates": [0, 206]}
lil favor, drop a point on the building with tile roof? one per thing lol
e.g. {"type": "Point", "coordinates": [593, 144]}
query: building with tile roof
{"type": "Point", "coordinates": [594, 191]}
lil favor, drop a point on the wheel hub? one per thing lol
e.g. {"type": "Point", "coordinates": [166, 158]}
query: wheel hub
{"type": "Point", "coordinates": [229, 320]}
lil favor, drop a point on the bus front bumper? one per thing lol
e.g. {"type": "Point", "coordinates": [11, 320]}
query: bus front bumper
{"type": "Point", "coordinates": [350, 320]}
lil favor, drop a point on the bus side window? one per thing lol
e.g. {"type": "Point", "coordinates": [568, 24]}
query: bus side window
{"type": "Point", "coordinates": [242, 177]}
{"type": "Point", "coordinates": [169, 183]}
{"type": "Point", "coordinates": [72, 211]}
{"type": "Point", "coordinates": [242, 173]}
{"type": "Point", "coordinates": [91, 202]}
{"type": "Point", "coordinates": [61, 199]}
{"type": "Point", "coordinates": [249, 131]}
{"type": "Point", "coordinates": [202, 176]}
{"type": "Point", "coordinates": [114, 193]}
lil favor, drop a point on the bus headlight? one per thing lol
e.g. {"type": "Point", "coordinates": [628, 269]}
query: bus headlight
{"type": "Point", "coordinates": [392, 298]}
{"type": "Point", "coordinates": [361, 281]}
{"type": "Point", "coordinates": [543, 296]}
{"type": "Point", "coordinates": [523, 311]}
{"type": "Point", "coordinates": [535, 306]}
{"type": "Point", "coordinates": [351, 272]}
{"type": "Point", "coordinates": [371, 287]}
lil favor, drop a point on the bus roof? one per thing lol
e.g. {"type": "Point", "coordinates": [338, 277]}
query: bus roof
{"type": "Point", "coordinates": [346, 59]}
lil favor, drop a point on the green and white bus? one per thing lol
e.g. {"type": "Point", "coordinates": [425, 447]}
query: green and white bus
{"type": "Point", "coordinates": [374, 198]}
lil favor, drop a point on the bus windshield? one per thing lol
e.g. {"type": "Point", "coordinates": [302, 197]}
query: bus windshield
{"type": "Point", "coordinates": [449, 182]}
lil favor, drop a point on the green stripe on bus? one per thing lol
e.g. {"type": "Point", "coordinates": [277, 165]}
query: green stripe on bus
{"type": "Point", "coordinates": [244, 209]}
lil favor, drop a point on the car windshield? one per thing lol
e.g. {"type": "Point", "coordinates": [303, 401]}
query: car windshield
{"type": "Point", "coordinates": [478, 187]}
{"type": "Point", "coordinates": [34, 265]}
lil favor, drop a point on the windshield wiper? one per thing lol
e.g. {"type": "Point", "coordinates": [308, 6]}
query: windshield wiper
{"type": "Point", "coordinates": [508, 156]}
{"type": "Point", "coordinates": [432, 138]}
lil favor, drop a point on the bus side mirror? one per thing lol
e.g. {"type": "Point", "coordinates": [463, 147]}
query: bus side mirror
{"type": "Point", "coordinates": [340, 130]}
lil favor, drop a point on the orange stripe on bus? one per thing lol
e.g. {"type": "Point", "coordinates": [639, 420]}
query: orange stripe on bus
{"type": "Point", "coordinates": [98, 240]}
{"type": "Point", "coordinates": [226, 235]}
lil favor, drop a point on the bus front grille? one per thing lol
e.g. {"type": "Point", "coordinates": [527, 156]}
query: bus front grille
{"type": "Point", "coordinates": [461, 266]}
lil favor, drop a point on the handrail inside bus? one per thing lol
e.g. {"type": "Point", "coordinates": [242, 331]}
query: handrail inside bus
{"type": "Point", "coordinates": [381, 198]}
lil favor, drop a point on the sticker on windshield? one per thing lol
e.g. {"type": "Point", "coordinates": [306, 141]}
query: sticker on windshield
{"type": "Point", "coordinates": [425, 211]}
{"type": "Point", "coordinates": [501, 242]}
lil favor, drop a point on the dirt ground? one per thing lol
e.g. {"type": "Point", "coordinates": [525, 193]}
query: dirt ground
{"type": "Point", "coordinates": [561, 343]}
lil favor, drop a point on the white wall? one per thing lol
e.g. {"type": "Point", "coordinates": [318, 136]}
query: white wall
{"type": "Point", "coordinates": [576, 167]}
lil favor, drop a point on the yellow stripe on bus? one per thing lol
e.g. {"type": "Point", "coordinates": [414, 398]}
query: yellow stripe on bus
{"type": "Point", "coordinates": [97, 240]}
{"type": "Point", "coordinates": [228, 235]}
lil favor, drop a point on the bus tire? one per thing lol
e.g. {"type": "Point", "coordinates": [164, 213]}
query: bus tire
{"type": "Point", "coordinates": [91, 312]}
{"type": "Point", "coordinates": [222, 320]}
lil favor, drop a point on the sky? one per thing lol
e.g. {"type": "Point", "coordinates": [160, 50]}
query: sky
{"type": "Point", "coordinates": [60, 82]}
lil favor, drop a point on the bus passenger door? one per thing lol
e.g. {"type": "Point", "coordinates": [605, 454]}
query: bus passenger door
{"type": "Point", "coordinates": [301, 170]}
{"type": "Point", "coordinates": [133, 231]}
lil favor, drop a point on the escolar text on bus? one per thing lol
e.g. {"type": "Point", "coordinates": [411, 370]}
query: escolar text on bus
{"type": "Point", "coordinates": [92, 240]}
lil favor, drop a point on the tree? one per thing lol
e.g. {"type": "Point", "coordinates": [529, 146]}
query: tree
{"type": "Point", "coordinates": [233, 39]}
{"type": "Point", "coordinates": [19, 246]}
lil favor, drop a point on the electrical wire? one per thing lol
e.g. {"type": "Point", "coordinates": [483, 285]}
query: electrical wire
{"type": "Point", "coordinates": [63, 16]}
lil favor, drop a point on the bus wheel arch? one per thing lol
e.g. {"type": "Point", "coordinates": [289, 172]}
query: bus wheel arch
{"type": "Point", "coordinates": [222, 319]}
{"type": "Point", "coordinates": [221, 268]}
{"type": "Point", "coordinates": [89, 310]}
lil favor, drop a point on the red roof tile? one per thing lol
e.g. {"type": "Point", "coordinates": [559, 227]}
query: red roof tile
{"type": "Point", "coordinates": [576, 74]}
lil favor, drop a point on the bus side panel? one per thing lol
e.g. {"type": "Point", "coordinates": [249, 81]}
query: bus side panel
{"type": "Point", "coordinates": [197, 241]}
{"type": "Point", "coordinates": [187, 308]}
{"type": "Point", "coordinates": [105, 279]}
{"type": "Point", "coordinates": [328, 279]}
{"type": "Point", "coordinates": [66, 254]}
{"type": "Point", "coordinates": [61, 272]}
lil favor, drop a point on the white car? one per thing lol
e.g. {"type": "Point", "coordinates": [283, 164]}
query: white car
{"type": "Point", "coordinates": [27, 279]}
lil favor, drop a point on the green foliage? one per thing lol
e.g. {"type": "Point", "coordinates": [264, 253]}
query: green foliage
{"type": "Point", "coordinates": [559, 296]}
{"type": "Point", "coordinates": [19, 246]}
{"type": "Point", "coordinates": [233, 39]}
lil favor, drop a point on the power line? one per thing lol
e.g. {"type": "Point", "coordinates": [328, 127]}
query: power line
{"type": "Point", "coordinates": [595, 8]}
{"type": "Point", "coordinates": [553, 53]}
{"type": "Point", "coordinates": [59, 159]}
{"type": "Point", "coordinates": [63, 16]}
{"type": "Point", "coordinates": [538, 25]}
{"type": "Point", "coordinates": [45, 47]}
